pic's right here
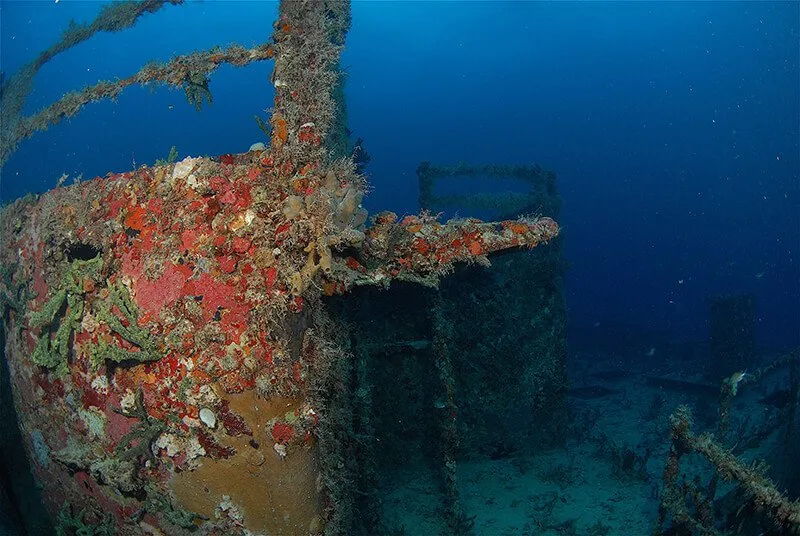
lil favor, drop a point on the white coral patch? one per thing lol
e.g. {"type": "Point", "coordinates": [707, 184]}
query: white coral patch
{"type": "Point", "coordinates": [100, 384]}
{"type": "Point", "coordinates": [183, 168]}
{"type": "Point", "coordinates": [193, 449]}
{"type": "Point", "coordinates": [231, 510]}
{"type": "Point", "coordinates": [128, 401]}
{"type": "Point", "coordinates": [170, 442]}
{"type": "Point", "coordinates": [192, 182]}
{"type": "Point", "coordinates": [258, 146]}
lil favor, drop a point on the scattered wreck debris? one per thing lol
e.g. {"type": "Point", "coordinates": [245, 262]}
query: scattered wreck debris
{"type": "Point", "coordinates": [757, 505]}
{"type": "Point", "coordinates": [688, 507]}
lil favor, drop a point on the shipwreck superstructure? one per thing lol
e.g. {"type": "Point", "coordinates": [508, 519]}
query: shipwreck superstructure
{"type": "Point", "coordinates": [174, 366]}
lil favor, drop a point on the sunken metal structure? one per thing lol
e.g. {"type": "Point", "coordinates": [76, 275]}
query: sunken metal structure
{"type": "Point", "coordinates": [174, 366]}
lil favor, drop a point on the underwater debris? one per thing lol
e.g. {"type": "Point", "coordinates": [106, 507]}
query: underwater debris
{"type": "Point", "coordinates": [730, 387]}
{"type": "Point", "coordinates": [686, 505]}
{"type": "Point", "coordinates": [690, 508]}
{"type": "Point", "coordinates": [191, 284]}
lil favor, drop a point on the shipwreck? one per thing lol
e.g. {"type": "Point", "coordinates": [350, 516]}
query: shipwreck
{"type": "Point", "coordinates": [179, 358]}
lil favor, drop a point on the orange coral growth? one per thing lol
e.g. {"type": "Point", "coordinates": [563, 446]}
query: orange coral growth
{"type": "Point", "coordinates": [353, 264]}
{"type": "Point", "coordinates": [422, 246]}
{"type": "Point", "coordinates": [307, 135]}
{"type": "Point", "coordinates": [308, 167]}
{"type": "Point", "coordinates": [476, 248]}
{"type": "Point", "coordinates": [266, 160]}
{"type": "Point", "coordinates": [517, 227]}
{"type": "Point", "coordinates": [287, 168]}
{"type": "Point", "coordinates": [281, 131]}
{"type": "Point", "coordinates": [135, 218]}
{"type": "Point", "coordinates": [329, 288]}
{"type": "Point", "coordinates": [385, 218]}
{"type": "Point", "coordinates": [300, 185]}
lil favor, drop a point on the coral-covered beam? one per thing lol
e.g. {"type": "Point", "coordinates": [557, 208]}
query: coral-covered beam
{"type": "Point", "coordinates": [190, 72]}
{"type": "Point", "coordinates": [306, 60]}
{"type": "Point", "coordinates": [421, 249]}
{"type": "Point", "coordinates": [783, 512]}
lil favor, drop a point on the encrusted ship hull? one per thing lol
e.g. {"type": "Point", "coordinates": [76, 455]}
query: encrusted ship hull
{"type": "Point", "coordinates": [172, 363]}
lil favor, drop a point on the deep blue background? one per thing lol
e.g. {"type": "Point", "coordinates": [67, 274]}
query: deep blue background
{"type": "Point", "coordinates": [673, 127]}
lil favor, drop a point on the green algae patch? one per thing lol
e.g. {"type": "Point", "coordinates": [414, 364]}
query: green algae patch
{"type": "Point", "coordinates": [62, 314]}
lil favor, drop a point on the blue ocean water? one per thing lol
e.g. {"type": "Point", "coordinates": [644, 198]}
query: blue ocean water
{"type": "Point", "coordinates": [673, 127]}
